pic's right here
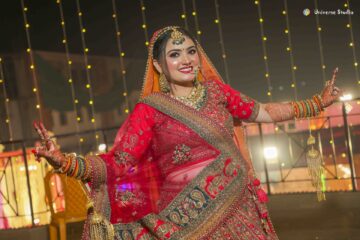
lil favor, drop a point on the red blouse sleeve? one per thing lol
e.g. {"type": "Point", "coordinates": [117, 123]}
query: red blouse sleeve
{"type": "Point", "coordinates": [239, 105]}
{"type": "Point", "coordinates": [132, 140]}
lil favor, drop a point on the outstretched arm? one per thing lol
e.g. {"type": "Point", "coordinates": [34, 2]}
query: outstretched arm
{"type": "Point", "coordinates": [277, 112]}
{"type": "Point", "coordinates": [130, 145]}
{"type": "Point", "coordinates": [71, 164]}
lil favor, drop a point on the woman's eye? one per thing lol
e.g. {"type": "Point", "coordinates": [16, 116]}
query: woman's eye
{"type": "Point", "coordinates": [175, 54]}
{"type": "Point", "coordinates": [192, 51]}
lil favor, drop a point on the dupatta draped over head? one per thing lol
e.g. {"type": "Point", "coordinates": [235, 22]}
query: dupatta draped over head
{"type": "Point", "coordinates": [207, 72]}
{"type": "Point", "coordinates": [153, 188]}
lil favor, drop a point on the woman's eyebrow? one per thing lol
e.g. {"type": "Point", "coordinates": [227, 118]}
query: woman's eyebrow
{"type": "Point", "coordinates": [179, 50]}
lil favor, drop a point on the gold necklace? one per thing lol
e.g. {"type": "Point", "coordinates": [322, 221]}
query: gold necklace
{"type": "Point", "coordinates": [195, 98]}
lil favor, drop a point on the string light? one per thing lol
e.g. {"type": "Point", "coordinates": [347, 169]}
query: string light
{"type": "Point", "coordinates": [87, 68]}
{"type": "Point", "coordinates": [184, 15]}
{"type": "Point", "coordinates": [144, 26]}
{"type": "Point", "coordinates": [351, 44]}
{"type": "Point", "coordinates": [222, 44]}
{"type": "Point", "coordinates": [121, 54]}
{"type": "Point", "coordinates": [292, 61]}
{"type": "Point", "coordinates": [31, 58]}
{"type": "Point", "coordinates": [195, 15]}
{"type": "Point", "coordinates": [322, 62]}
{"type": "Point", "coordinates": [264, 38]}
{"type": "Point", "coordinates": [69, 70]}
{"type": "Point", "coordinates": [6, 102]}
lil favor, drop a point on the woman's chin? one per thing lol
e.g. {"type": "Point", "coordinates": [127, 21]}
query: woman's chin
{"type": "Point", "coordinates": [183, 81]}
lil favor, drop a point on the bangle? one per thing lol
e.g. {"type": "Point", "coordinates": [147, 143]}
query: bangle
{"type": "Point", "coordinates": [318, 101]}
{"type": "Point", "coordinates": [81, 167]}
{"type": "Point", "coordinates": [63, 169]}
{"type": "Point", "coordinates": [87, 170]}
{"type": "Point", "coordinates": [307, 108]}
{"type": "Point", "coordinates": [67, 167]}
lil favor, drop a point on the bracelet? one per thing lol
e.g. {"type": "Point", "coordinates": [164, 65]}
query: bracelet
{"type": "Point", "coordinates": [318, 100]}
{"type": "Point", "coordinates": [308, 108]}
{"type": "Point", "coordinates": [65, 169]}
{"type": "Point", "coordinates": [76, 166]}
{"type": "Point", "coordinates": [88, 170]}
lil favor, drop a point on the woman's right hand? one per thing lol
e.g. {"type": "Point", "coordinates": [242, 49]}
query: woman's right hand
{"type": "Point", "coordinates": [48, 149]}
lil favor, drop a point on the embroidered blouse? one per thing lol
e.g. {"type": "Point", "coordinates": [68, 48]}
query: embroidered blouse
{"type": "Point", "coordinates": [153, 143]}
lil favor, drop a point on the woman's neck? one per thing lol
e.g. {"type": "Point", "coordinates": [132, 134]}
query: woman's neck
{"type": "Point", "coordinates": [181, 90]}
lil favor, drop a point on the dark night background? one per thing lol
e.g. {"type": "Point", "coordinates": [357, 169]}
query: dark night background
{"type": "Point", "coordinates": [241, 37]}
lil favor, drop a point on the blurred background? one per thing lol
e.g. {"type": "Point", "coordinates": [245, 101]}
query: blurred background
{"type": "Point", "coordinates": [78, 66]}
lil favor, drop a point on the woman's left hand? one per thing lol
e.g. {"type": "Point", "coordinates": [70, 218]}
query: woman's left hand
{"type": "Point", "coordinates": [330, 93]}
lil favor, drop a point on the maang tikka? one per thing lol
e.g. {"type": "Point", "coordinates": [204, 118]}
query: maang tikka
{"type": "Point", "coordinates": [177, 37]}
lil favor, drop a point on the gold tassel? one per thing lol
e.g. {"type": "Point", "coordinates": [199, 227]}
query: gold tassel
{"type": "Point", "coordinates": [315, 168]}
{"type": "Point", "coordinates": [99, 227]}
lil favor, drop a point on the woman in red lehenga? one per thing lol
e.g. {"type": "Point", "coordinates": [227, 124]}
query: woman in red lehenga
{"type": "Point", "coordinates": [179, 167]}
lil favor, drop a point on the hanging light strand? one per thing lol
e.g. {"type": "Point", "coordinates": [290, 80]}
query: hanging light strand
{"type": "Point", "coordinates": [184, 15]}
{"type": "Point", "coordinates": [87, 70]}
{"type": "Point", "coordinates": [75, 101]}
{"type": "Point", "coordinates": [144, 25]}
{"type": "Point", "coordinates": [222, 44]}
{"type": "Point", "coordinates": [32, 62]}
{"type": "Point", "coordinates": [289, 49]}
{"type": "Point", "coordinates": [319, 29]}
{"type": "Point", "coordinates": [263, 41]}
{"type": "Point", "coordinates": [6, 102]}
{"type": "Point", "coordinates": [352, 43]}
{"type": "Point", "coordinates": [121, 55]}
{"type": "Point", "coordinates": [196, 20]}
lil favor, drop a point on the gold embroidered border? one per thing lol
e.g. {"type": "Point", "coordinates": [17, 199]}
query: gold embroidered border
{"type": "Point", "coordinates": [254, 113]}
{"type": "Point", "coordinates": [209, 131]}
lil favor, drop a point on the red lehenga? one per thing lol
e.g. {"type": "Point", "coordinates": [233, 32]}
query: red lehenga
{"type": "Point", "coordinates": [176, 172]}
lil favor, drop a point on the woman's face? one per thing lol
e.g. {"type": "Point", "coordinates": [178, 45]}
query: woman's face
{"type": "Point", "coordinates": [182, 61]}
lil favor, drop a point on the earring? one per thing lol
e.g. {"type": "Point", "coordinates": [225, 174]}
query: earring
{"type": "Point", "coordinates": [196, 78]}
{"type": "Point", "coordinates": [164, 84]}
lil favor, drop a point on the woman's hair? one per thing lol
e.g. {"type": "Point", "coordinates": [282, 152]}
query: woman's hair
{"type": "Point", "coordinates": [160, 44]}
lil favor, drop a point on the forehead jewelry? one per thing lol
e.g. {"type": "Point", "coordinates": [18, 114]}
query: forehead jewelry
{"type": "Point", "coordinates": [177, 37]}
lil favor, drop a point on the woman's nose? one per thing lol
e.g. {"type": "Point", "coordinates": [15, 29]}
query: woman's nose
{"type": "Point", "coordinates": [185, 59]}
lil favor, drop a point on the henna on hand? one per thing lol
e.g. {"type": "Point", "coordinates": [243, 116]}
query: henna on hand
{"type": "Point", "coordinates": [330, 93]}
{"type": "Point", "coordinates": [279, 111]}
{"type": "Point", "coordinates": [47, 149]}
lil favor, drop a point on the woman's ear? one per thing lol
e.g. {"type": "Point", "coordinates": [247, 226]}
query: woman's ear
{"type": "Point", "coordinates": [157, 66]}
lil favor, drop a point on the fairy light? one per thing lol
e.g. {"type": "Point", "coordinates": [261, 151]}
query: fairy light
{"type": "Point", "coordinates": [144, 25]}
{"type": "Point", "coordinates": [292, 61]}
{"type": "Point", "coordinates": [196, 20]}
{"type": "Point", "coordinates": [222, 44]}
{"type": "Point", "coordinates": [319, 29]}
{"type": "Point", "coordinates": [6, 102]}
{"type": "Point", "coordinates": [352, 44]}
{"type": "Point", "coordinates": [264, 39]}
{"type": "Point", "coordinates": [87, 67]}
{"type": "Point", "coordinates": [184, 14]}
{"type": "Point", "coordinates": [69, 69]}
{"type": "Point", "coordinates": [31, 59]}
{"type": "Point", "coordinates": [121, 54]}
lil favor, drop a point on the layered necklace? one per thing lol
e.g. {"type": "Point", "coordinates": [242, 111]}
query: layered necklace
{"type": "Point", "coordinates": [196, 97]}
